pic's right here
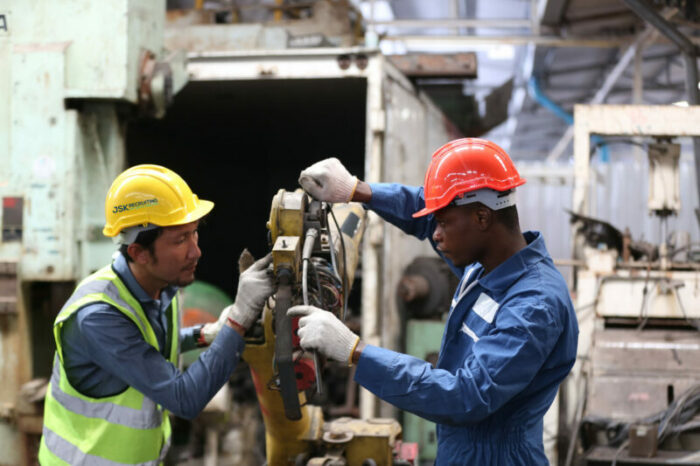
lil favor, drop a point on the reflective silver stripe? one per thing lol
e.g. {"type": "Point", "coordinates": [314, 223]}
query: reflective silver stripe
{"type": "Point", "coordinates": [148, 417]}
{"type": "Point", "coordinates": [469, 332]}
{"type": "Point", "coordinates": [73, 456]}
{"type": "Point", "coordinates": [105, 287]}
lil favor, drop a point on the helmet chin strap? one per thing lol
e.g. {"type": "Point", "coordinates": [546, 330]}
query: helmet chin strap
{"type": "Point", "coordinates": [494, 200]}
{"type": "Point", "coordinates": [128, 235]}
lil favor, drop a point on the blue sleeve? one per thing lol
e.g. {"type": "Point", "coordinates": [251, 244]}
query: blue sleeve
{"type": "Point", "coordinates": [396, 203]}
{"type": "Point", "coordinates": [501, 365]}
{"type": "Point", "coordinates": [117, 346]}
{"type": "Point", "coordinates": [187, 342]}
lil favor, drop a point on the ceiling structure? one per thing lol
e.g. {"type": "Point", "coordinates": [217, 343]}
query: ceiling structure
{"type": "Point", "coordinates": [557, 52]}
{"type": "Point", "coordinates": [535, 59]}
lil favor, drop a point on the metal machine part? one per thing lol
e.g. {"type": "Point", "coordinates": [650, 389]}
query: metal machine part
{"type": "Point", "coordinates": [426, 288]}
{"type": "Point", "coordinates": [315, 252]}
{"type": "Point", "coordinates": [638, 308]}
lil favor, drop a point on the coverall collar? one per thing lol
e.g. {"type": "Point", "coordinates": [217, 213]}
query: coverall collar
{"type": "Point", "coordinates": [503, 276]}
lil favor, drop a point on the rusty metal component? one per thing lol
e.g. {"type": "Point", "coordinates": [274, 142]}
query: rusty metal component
{"type": "Point", "coordinates": [8, 288]}
{"type": "Point", "coordinates": [337, 438]}
{"type": "Point", "coordinates": [637, 374]}
{"type": "Point", "coordinates": [364, 440]}
{"type": "Point", "coordinates": [155, 89]}
{"type": "Point", "coordinates": [12, 218]}
{"type": "Point", "coordinates": [426, 288]}
{"type": "Point", "coordinates": [643, 440]}
{"type": "Point", "coordinates": [459, 65]}
{"type": "Point", "coordinates": [412, 287]}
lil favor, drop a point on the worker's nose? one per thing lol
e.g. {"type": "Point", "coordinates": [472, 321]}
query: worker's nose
{"type": "Point", "coordinates": [437, 234]}
{"type": "Point", "coordinates": [194, 252]}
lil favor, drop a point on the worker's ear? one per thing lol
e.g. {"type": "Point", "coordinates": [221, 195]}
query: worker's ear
{"type": "Point", "coordinates": [483, 216]}
{"type": "Point", "coordinates": [138, 253]}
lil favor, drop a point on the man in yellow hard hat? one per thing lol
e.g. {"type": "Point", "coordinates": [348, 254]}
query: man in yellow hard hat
{"type": "Point", "coordinates": [115, 375]}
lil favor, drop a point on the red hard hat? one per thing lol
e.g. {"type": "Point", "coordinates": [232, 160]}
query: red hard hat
{"type": "Point", "coordinates": [465, 165]}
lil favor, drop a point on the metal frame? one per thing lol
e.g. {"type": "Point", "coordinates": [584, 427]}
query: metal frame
{"type": "Point", "coordinates": [623, 120]}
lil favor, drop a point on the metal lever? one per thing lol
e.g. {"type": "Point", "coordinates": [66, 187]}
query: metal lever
{"type": "Point", "coordinates": [283, 347]}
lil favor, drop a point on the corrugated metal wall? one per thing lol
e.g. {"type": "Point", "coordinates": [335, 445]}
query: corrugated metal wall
{"type": "Point", "coordinates": [621, 189]}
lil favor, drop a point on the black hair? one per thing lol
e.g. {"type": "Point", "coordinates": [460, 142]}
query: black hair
{"type": "Point", "coordinates": [146, 239]}
{"type": "Point", "coordinates": [508, 217]}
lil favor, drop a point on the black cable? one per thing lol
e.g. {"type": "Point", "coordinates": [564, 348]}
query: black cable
{"type": "Point", "coordinates": [344, 278]}
{"type": "Point", "coordinates": [318, 285]}
{"type": "Point", "coordinates": [678, 417]}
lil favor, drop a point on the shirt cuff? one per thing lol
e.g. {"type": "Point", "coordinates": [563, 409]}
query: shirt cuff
{"type": "Point", "coordinates": [187, 341]}
{"type": "Point", "coordinates": [382, 195]}
{"type": "Point", "coordinates": [228, 342]}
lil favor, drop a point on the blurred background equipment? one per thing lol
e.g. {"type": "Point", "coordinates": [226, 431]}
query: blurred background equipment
{"type": "Point", "coordinates": [239, 95]}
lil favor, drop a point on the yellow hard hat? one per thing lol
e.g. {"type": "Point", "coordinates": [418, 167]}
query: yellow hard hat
{"type": "Point", "coordinates": [151, 194]}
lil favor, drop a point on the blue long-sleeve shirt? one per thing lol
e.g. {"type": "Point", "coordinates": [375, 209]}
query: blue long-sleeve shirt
{"type": "Point", "coordinates": [104, 352]}
{"type": "Point", "coordinates": [509, 341]}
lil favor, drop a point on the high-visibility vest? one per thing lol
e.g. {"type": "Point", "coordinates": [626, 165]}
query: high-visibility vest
{"type": "Point", "coordinates": [127, 428]}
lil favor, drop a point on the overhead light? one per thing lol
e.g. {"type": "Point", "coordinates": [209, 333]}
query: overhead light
{"type": "Point", "coordinates": [680, 103]}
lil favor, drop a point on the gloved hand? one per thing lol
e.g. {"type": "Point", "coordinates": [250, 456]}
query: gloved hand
{"type": "Point", "coordinates": [329, 181]}
{"type": "Point", "coordinates": [321, 330]}
{"type": "Point", "coordinates": [255, 285]}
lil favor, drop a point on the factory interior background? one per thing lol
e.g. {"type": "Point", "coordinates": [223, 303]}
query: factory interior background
{"type": "Point", "coordinates": [596, 102]}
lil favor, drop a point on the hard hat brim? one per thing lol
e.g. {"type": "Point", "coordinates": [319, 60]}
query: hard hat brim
{"type": "Point", "coordinates": [425, 211]}
{"type": "Point", "coordinates": [203, 208]}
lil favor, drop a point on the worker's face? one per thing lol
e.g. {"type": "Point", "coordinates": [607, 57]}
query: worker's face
{"type": "Point", "coordinates": [175, 255]}
{"type": "Point", "coordinates": [459, 234]}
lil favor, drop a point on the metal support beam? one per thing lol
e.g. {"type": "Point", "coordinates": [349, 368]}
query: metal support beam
{"type": "Point", "coordinates": [549, 41]}
{"type": "Point", "coordinates": [690, 58]}
{"type": "Point", "coordinates": [455, 23]}
{"type": "Point", "coordinates": [649, 34]}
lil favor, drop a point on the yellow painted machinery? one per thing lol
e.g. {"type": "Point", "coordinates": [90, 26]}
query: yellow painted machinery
{"type": "Point", "coordinates": [315, 251]}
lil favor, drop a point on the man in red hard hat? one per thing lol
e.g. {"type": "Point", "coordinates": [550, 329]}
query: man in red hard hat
{"type": "Point", "coordinates": [511, 332]}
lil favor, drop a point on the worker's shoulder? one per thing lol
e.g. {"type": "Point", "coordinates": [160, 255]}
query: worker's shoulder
{"type": "Point", "coordinates": [540, 289]}
{"type": "Point", "coordinates": [100, 314]}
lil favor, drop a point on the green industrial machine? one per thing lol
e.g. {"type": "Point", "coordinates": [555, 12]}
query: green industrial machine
{"type": "Point", "coordinates": [423, 339]}
{"type": "Point", "coordinates": [73, 73]}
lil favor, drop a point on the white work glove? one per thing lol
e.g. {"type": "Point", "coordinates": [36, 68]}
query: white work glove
{"type": "Point", "coordinates": [255, 285]}
{"type": "Point", "coordinates": [328, 181]}
{"type": "Point", "coordinates": [321, 330]}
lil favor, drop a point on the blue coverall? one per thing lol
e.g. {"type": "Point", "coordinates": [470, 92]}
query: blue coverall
{"type": "Point", "coordinates": [104, 353]}
{"type": "Point", "coordinates": [510, 340]}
